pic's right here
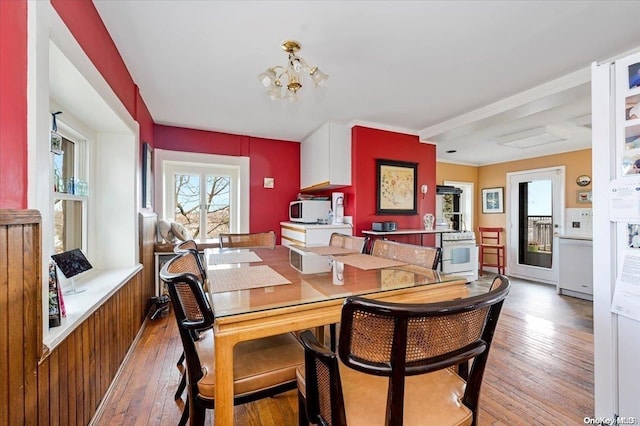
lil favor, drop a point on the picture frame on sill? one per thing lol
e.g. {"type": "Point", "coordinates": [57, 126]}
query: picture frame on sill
{"type": "Point", "coordinates": [147, 176]}
{"type": "Point", "coordinates": [583, 197]}
{"type": "Point", "coordinates": [493, 200]}
{"type": "Point", "coordinates": [56, 143]}
{"type": "Point", "coordinates": [397, 186]}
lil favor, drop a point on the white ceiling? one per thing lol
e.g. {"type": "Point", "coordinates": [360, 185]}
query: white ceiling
{"type": "Point", "coordinates": [457, 73]}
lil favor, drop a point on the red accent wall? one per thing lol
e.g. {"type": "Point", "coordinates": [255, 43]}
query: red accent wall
{"type": "Point", "coordinates": [13, 104]}
{"type": "Point", "coordinates": [268, 158]}
{"type": "Point", "coordinates": [370, 144]}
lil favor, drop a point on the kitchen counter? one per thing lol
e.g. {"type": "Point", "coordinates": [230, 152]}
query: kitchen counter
{"type": "Point", "coordinates": [310, 234]}
{"type": "Point", "coordinates": [576, 266]}
{"type": "Point", "coordinates": [315, 225]}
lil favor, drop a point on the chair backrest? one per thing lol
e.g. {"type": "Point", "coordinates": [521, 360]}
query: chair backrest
{"type": "Point", "coordinates": [397, 340]}
{"type": "Point", "coordinates": [192, 310]}
{"type": "Point", "coordinates": [347, 241]}
{"type": "Point", "coordinates": [185, 245]}
{"type": "Point", "coordinates": [250, 240]}
{"type": "Point", "coordinates": [428, 257]}
{"type": "Point", "coordinates": [489, 236]}
{"type": "Point", "coordinates": [191, 245]}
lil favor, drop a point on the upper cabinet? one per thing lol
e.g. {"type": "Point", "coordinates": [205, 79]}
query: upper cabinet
{"type": "Point", "coordinates": [325, 158]}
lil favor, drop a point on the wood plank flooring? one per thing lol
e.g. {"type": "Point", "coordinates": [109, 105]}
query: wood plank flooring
{"type": "Point", "coordinates": [540, 370]}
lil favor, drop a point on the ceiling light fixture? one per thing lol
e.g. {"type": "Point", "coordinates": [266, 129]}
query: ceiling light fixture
{"type": "Point", "coordinates": [530, 138]}
{"type": "Point", "coordinates": [274, 78]}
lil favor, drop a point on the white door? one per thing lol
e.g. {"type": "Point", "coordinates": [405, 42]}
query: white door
{"type": "Point", "coordinates": [535, 218]}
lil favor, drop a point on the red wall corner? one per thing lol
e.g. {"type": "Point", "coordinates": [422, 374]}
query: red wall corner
{"type": "Point", "coordinates": [13, 105]}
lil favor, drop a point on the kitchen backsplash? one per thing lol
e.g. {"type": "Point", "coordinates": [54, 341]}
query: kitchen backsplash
{"type": "Point", "coordinates": [578, 222]}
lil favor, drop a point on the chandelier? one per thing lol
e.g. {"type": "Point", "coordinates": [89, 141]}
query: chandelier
{"type": "Point", "coordinates": [284, 82]}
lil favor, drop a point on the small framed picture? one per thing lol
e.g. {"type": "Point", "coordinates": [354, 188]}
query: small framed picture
{"type": "Point", "coordinates": [56, 143]}
{"type": "Point", "coordinates": [493, 200]}
{"type": "Point", "coordinates": [583, 196]}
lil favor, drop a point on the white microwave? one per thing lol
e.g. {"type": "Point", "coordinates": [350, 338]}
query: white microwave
{"type": "Point", "coordinates": [309, 211]}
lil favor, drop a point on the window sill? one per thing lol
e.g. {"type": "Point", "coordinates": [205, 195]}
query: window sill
{"type": "Point", "coordinates": [99, 287]}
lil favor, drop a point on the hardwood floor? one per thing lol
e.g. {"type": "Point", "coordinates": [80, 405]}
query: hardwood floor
{"type": "Point", "coordinates": [540, 369]}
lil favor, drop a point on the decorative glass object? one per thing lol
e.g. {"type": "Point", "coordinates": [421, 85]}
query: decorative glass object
{"type": "Point", "coordinates": [428, 220]}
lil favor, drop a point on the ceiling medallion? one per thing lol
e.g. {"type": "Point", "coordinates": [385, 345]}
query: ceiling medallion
{"type": "Point", "coordinates": [284, 82]}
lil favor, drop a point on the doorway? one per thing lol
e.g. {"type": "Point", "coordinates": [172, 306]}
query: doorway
{"type": "Point", "coordinates": [536, 206]}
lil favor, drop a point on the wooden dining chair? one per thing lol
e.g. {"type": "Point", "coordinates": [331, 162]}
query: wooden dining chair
{"type": "Point", "coordinates": [398, 362]}
{"type": "Point", "coordinates": [262, 367]}
{"type": "Point", "coordinates": [428, 257]}
{"type": "Point", "coordinates": [250, 240]}
{"type": "Point", "coordinates": [491, 250]}
{"type": "Point", "coordinates": [350, 242]}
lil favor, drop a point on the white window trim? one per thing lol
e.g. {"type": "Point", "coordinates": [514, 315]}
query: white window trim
{"type": "Point", "coordinates": [165, 162]}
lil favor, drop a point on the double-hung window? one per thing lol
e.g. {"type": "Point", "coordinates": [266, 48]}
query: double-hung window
{"type": "Point", "coordinates": [69, 160]}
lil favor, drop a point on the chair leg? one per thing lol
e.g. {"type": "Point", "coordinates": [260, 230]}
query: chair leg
{"type": "Point", "coordinates": [332, 337]}
{"type": "Point", "coordinates": [185, 414]}
{"type": "Point", "coordinates": [181, 360]}
{"type": "Point", "coordinates": [196, 415]}
{"type": "Point", "coordinates": [302, 411]}
{"type": "Point", "coordinates": [181, 386]}
{"type": "Point", "coordinates": [481, 260]}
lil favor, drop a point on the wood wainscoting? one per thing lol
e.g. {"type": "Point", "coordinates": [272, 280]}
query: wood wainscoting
{"type": "Point", "coordinates": [63, 386]}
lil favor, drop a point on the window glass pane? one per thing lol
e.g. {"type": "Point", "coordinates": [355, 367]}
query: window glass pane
{"type": "Point", "coordinates": [67, 220]}
{"type": "Point", "coordinates": [218, 205]}
{"type": "Point", "coordinates": [188, 200]}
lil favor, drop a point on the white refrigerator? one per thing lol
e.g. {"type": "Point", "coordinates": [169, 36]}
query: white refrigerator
{"type": "Point", "coordinates": [616, 217]}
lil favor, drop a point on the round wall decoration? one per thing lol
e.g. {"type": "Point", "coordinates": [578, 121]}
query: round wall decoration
{"type": "Point", "coordinates": [583, 180]}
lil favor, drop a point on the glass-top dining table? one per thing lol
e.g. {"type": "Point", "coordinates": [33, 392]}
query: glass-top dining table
{"type": "Point", "coordinates": [264, 292]}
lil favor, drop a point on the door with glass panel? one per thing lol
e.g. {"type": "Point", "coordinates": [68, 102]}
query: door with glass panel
{"type": "Point", "coordinates": [203, 201]}
{"type": "Point", "coordinates": [536, 206]}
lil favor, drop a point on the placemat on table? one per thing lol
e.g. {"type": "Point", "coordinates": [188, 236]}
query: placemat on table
{"type": "Point", "coordinates": [244, 278]}
{"type": "Point", "coordinates": [326, 250]}
{"type": "Point", "coordinates": [234, 257]}
{"type": "Point", "coordinates": [366, 261]}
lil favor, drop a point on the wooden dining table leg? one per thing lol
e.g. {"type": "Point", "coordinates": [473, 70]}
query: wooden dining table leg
{"type": "Point", "coordinates": [223, 411]}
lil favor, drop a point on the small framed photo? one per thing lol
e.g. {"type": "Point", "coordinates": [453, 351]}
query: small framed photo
{"type": "Point", "coordinates": [493, 200]}
{"type": "Point", "coordinates": [56, 143]}
{"type": "Point", "coordinates": [583, 196]}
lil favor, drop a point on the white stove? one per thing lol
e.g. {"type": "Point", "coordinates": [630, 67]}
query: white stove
{"type": "Point", "coordinates": [460, 254]}
{"type": "Point", "coordinates": [459, 236]}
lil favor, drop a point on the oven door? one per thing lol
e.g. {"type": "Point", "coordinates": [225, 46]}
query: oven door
{"type": "Point", "coordinates": [459, 256]}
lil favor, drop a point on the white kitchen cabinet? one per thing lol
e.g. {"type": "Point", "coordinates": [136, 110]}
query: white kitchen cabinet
{"type": "Point", "coordinates": [305, 235]}
{"type": "Point", "coordinates": [576, 267]}
{"type": "Point", "coordinates": [325, 158]}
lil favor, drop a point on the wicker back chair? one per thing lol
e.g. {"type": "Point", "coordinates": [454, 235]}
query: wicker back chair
{"type": "Point", "coordinates": [252, 240]}
{"type": "Point", "coordinates": [279, 355]}
{"type": "Point", "coordinates": [382, 343]}
{"type": "Point", "coordinates": [356, 244]}
{"type": "Point", "coordinates": [428, 257]}
{"type": "Point", "coordinates": [194, 266]}
{"type": "Point", "coordinates": [191, 245]}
